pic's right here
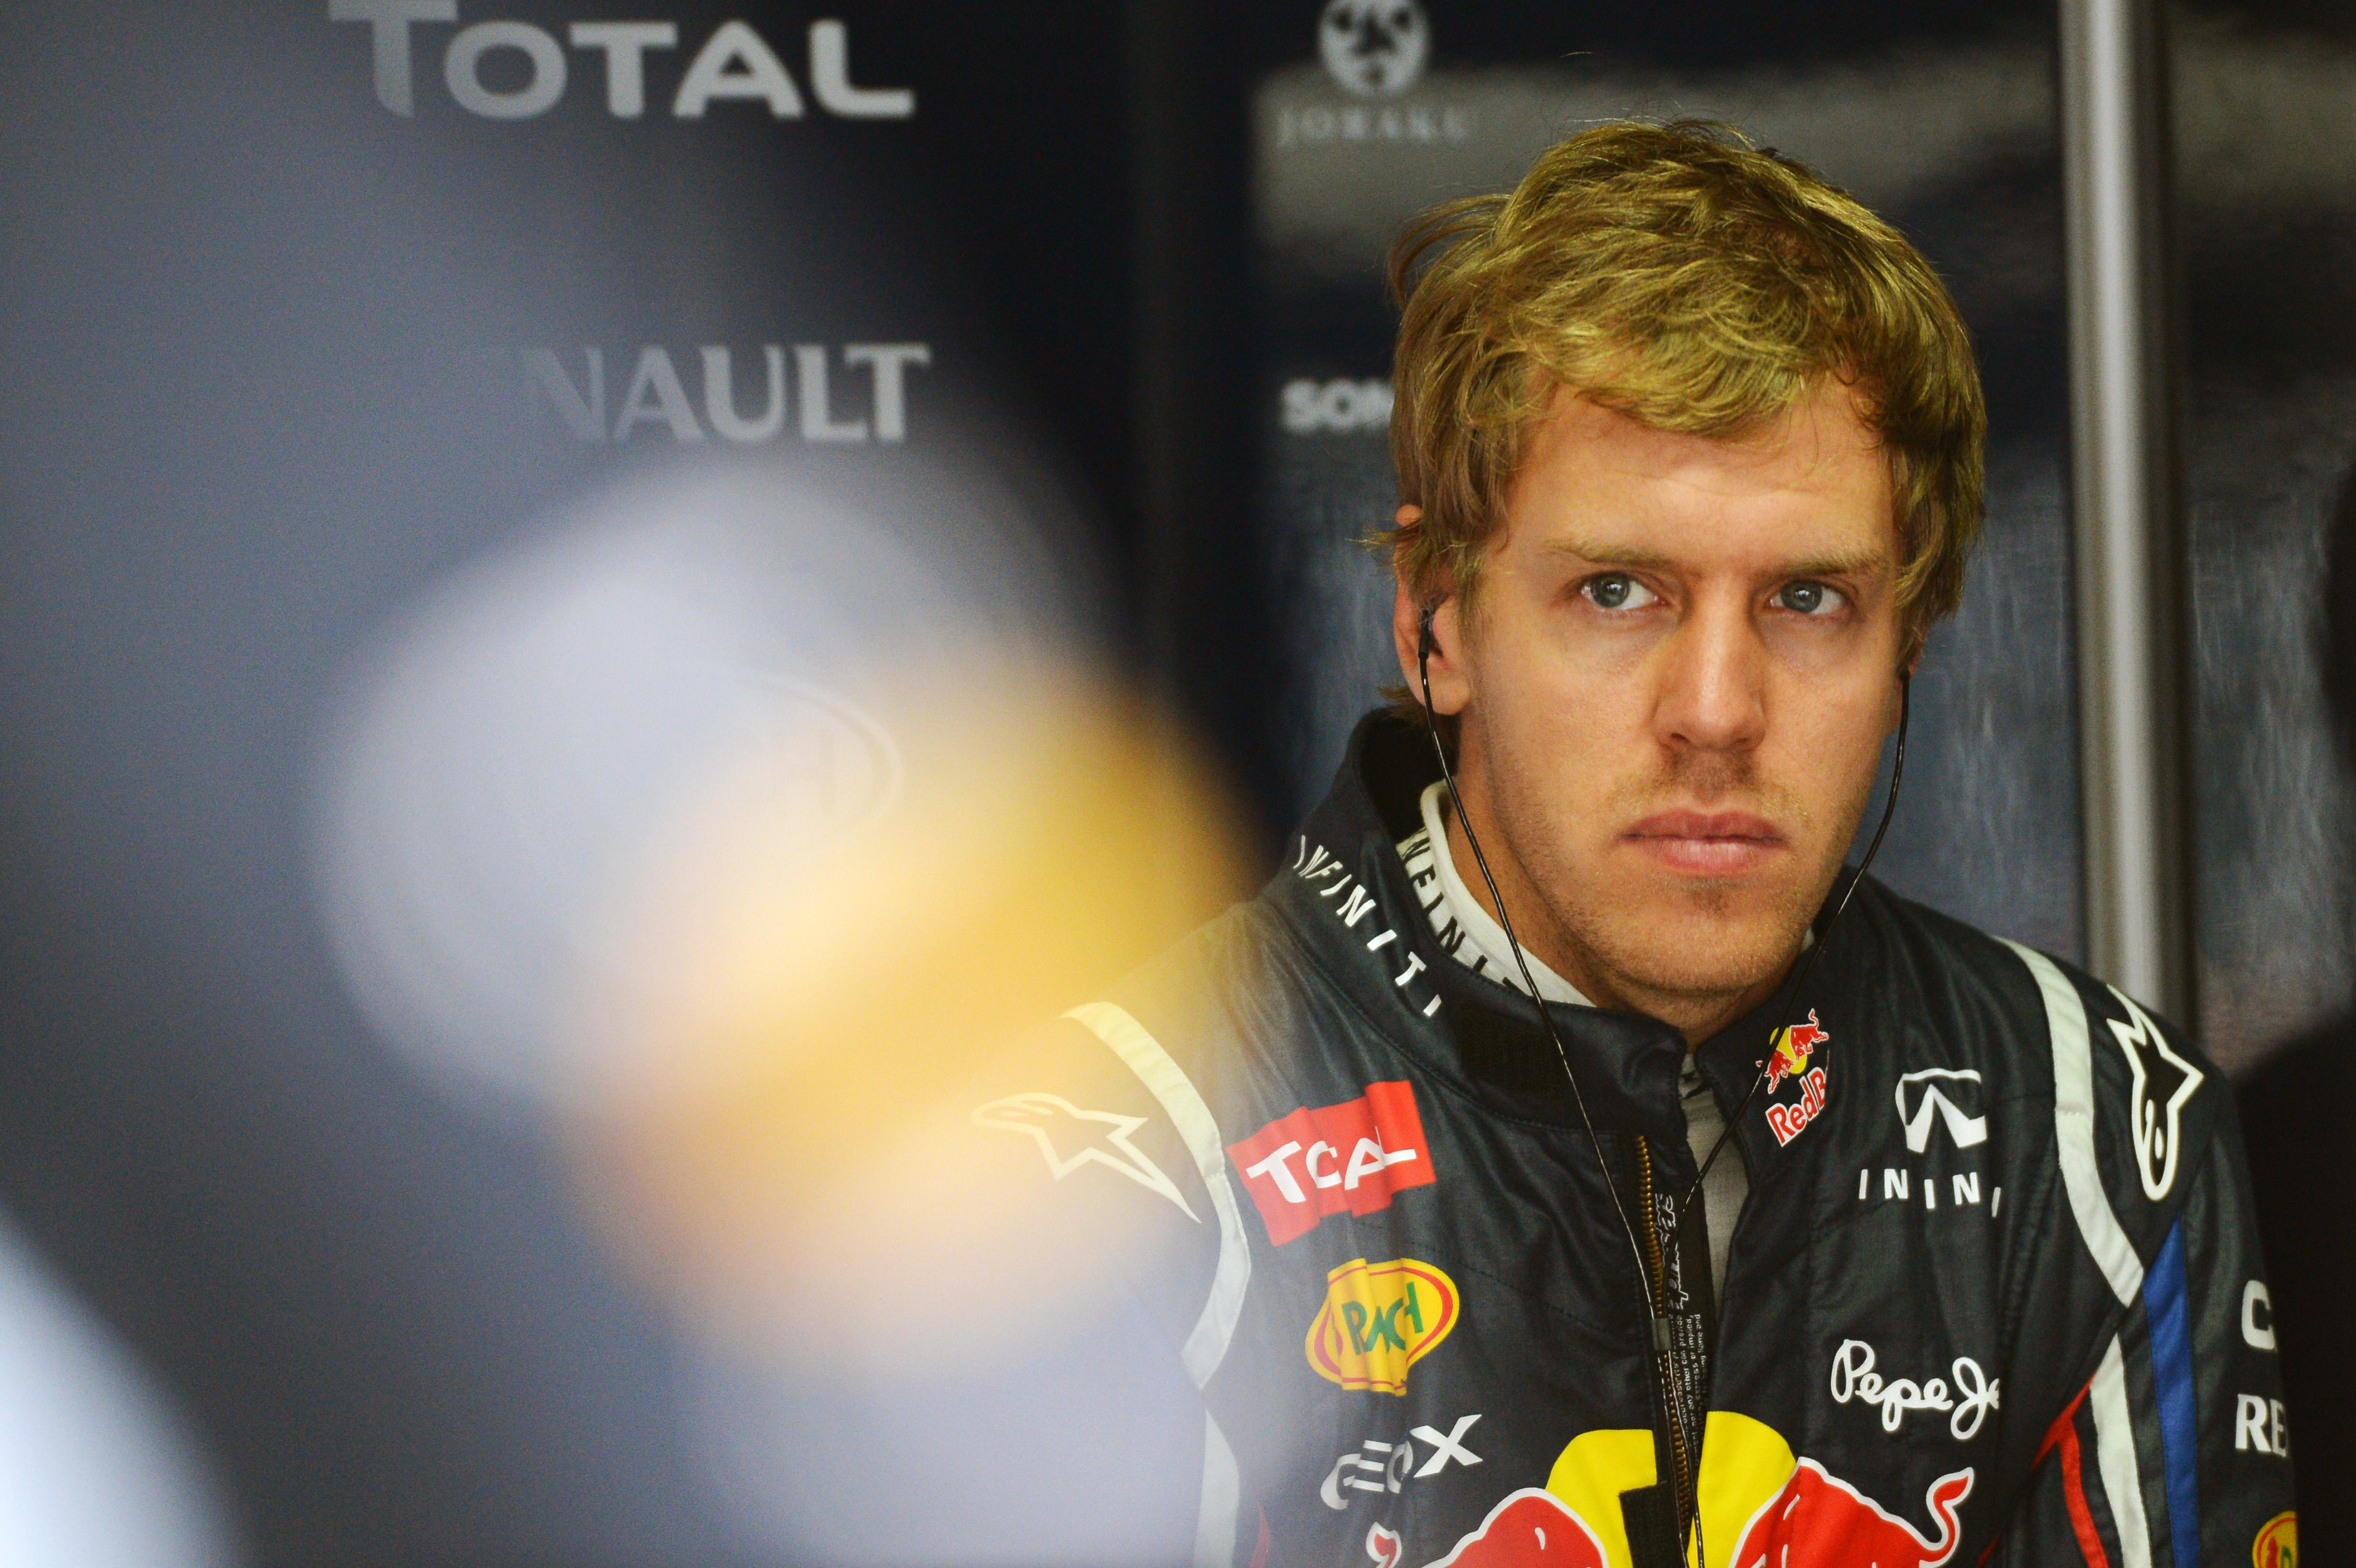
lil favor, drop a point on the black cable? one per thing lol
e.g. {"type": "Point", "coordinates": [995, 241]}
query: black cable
{"type": "Point", "coordinates": [1423, 671]}
{"type": "Point", "coordinates": [1658, 1342]}
{"type": "Point", "coordinates": [1807, 965]}
{"type": "Point", "coordinates": [1794, 992]}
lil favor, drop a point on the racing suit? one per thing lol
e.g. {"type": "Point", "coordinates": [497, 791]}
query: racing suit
{"type": "Point", "coordinates": [1995, 1294]}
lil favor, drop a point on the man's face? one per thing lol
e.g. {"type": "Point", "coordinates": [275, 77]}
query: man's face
{"type": "Point", "coordinates": [1674, 689]}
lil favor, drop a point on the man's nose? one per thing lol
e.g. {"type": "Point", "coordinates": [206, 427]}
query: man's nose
{"type": "Point", "coordinates": [1712, 693]}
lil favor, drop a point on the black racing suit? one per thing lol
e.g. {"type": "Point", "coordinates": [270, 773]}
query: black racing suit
{"type": "Point", "coordinates": [1996, 1293]}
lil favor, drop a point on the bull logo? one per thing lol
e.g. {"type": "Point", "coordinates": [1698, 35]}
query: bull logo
{"type": "Point", "coordinates": [1756, 1498]}
{"type": "Point", "coordinates": [1792, 1046]}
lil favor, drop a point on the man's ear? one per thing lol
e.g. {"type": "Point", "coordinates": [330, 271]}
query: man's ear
{"type": "Point", "coordinates": [1906, 669]}
{"type": "Point", "coordinates": [1450, 689]}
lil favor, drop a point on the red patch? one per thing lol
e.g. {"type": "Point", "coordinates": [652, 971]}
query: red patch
{"type": "Point", "coordinates": [1335, 1159]}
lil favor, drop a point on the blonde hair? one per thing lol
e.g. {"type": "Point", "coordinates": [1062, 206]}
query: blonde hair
{"type": "Point", "coordinates": [1697, 283]}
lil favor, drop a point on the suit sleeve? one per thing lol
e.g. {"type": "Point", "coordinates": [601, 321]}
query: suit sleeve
{"type": "Point", "coordinates": [1111, 1169]}
{"type": "Point", "coordinates": [2177, 1451]}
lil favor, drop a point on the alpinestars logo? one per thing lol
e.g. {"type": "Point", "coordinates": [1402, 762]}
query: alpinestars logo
{"type": "Point", "coordinates": [1070, 1137]}
{"type": "Point", "coordinates": [2163, 1082]}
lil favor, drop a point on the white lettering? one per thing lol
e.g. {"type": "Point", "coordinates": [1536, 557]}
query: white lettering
{"type": "Point", "coordinates": [462, 70]}
{"type": "Point", "coordinates": [389, 22]}
{"type": "Point", "coordinates": [1896, 1184]}
{"type": "Point", "coordinates": [1853, 1377]}
{"type": "Point", "coordinates": [819, 422]}
{"type": "Point", "coordinates": [1311, 407]}
{"type": "Point", "coordinates": [735, 63]}
{"type": "Point", "coordinates": [1274, 1168]}
{"type": "Point", "coordinates": [886, 361]}
{"type": "Point", "coordinates": [1382, 939]}
{"type": "Point", "coordinates": [1369, 1159]}
{"type": "Point", "coordinates": [1308, 1164]}
{"type": "Point", "coordinates": [1446, 1447]}
{"type": "Point", "coordinates": [1414, 968]}
{"type": "Point", "coordinates": [1357, 906]}
{"type": "Point", "coordinates": [1967, 1187]}
{"type": "Point", "coordinates": [2250, 1424]}
{"type": "Point", "coordinates": [584, 416]}
{"type": "Point", "coordinates": [1864, 1176]}
{"type": "Point", "coordinates": [625, 44]}
{"type": "Point", "coordinates": [655, 376]}
{"type": "Point", "coordinates": [2256, 1335]}
{"type": "Point", "coordinates": [2280, 1426]}
{"type": "Point", "coordinates": [830, 43]}
{"type": "Point", "coordinates": [719, 395]}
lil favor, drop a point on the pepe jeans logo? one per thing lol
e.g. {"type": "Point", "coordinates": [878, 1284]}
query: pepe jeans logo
{"type": "Point", "coordinates": [1854, 1378]}
{"type": "Point", "coordinates": [1378, 1320]}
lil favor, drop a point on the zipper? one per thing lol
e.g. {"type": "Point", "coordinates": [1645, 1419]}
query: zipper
{"type": "Point", "coordinates": [1664, 1364]}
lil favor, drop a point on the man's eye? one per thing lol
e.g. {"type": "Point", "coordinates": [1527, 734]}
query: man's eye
{"type": "Point", "coordinates": [1810, 598]}
{"type": "Point", "coordinates": [1617, 591]}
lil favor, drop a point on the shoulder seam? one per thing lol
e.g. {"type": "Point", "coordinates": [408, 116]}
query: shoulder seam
{"type": "Point", "coordinates": [2073, 1126]}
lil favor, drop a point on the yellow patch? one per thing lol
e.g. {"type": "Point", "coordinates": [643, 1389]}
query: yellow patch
{"type": "Point", "coordinates": [1744, 1464]}
{"type": "Point", "coordinates": [2277, 1543]}
{"type": "Point", "coordinates": [1378, 1320]}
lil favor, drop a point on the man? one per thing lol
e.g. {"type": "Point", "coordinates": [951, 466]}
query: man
{"type": "Point", "coordinates": [1689, 445]}
{"type": "Point", "coordinates": [2298, 1157]}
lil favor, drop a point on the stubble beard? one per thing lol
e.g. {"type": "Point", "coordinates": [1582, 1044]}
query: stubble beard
{"type": "Point", "coordinates": [1674, 947]}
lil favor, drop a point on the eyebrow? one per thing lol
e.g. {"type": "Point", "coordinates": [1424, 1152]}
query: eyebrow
{"type": "Point", "coordinates": [1854, 563]}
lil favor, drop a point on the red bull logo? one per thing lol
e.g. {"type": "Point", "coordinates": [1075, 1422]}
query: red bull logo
{"type": "Point", "coordinates": [1758, 1505]}
{"type": "Point", "coordinates": [1819, 1518]}
{"type": "Point", "coordinates": [1792, 1046]}
{"type": "Point", "coordinates": [1528, 1529]}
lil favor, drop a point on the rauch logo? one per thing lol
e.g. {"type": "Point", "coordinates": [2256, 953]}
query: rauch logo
{"type": "Point", "coordinates": [1378, 1320]}
{"type": "Point", "coordinates": [1333, 1159]}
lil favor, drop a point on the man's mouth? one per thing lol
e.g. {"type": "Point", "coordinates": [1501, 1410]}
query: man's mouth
{"type": "Point", "coordinates": [1707, 843]}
